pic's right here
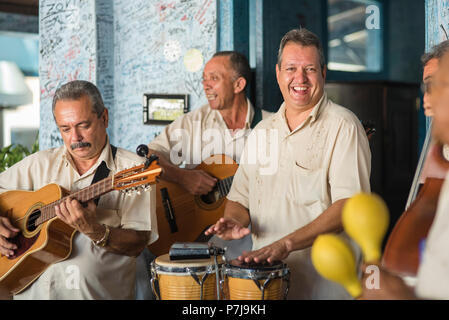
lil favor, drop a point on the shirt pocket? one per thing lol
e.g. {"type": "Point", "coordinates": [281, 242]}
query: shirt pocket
{"type": "Point", "coordinates": [305, 186]}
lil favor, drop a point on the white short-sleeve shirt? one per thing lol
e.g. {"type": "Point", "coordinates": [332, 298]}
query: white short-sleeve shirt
{"type": "Point", "coordinates": [286, 179]}
{"type": "Point", "coordinates": [433, 277]}
{"type": "Point", "coordinates": [90, 272]}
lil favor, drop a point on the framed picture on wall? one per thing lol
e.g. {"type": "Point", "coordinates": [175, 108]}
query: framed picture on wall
{"type": "Point", "coordinates": [164, 108]}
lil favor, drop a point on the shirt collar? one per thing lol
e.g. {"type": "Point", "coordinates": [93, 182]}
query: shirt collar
{"type": "Point", "coordinates": [316, 111]}
{"type": "Point", "coordinates": [312, 117]}
{"type": "Point", "coordinates": [249, 115]}
{"type": "Point", "coordinates": [106, 156]}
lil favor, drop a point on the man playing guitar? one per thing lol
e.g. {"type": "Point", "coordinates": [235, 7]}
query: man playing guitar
{"type": "Point", "coordinates": [111, 234]}
{"type": "Point", "coordinates": [227, 120]}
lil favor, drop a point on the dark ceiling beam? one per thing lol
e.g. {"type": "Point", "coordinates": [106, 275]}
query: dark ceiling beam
{"type": "Point", "coordinates": [6, 6]}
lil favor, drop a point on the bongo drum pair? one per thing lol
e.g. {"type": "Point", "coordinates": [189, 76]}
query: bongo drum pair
{"type": "Point", "coordinates": [197, 280]}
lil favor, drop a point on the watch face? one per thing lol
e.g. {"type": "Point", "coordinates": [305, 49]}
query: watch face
{"type": "Point", "coordinates": [172, 50]}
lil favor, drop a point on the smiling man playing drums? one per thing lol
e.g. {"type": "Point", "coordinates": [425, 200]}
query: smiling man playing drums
{"type": "Point", "coordinates": [323, 158]}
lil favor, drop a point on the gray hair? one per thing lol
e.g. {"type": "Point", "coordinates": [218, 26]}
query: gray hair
{"type": "Point", "coordinates": [437, 52]}
{"type": "Point", "coordinates": [304, 38]}
{"type": "Point", "coordinates": [75, 90]}
{"type": "Point", "coordinates": [239, 63]}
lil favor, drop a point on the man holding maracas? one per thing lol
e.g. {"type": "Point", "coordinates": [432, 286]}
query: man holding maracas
{"type": "Point", "coordinates": [433, 276]}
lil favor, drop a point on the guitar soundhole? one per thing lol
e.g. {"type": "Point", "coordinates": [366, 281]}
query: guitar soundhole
{"type": "Point", "coordinates": [211, 197]}
{"type": "Point", "coordinates": [31, 222]}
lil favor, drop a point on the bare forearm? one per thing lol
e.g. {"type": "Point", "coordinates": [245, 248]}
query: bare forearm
{"type": "Point", "coordinates": [237, 212]}
{"type": "Point", "coordinates": [196, 182]}
{"type": "Point", "coordinates": [170, 172]}
{"type": "Point", "coordinates": [234, 223]}
{"type": "Point", "coordinates": [328, 221]}
{"type": "Point", "coordinates": [122, 241]}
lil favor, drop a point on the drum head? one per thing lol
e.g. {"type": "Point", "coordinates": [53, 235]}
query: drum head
{"type": "Point", "coordinates": [256, 266]}
{"type": "Point", "coordinates": [243, 270]}
{"type": "Point", "coordinates": [163, 263]}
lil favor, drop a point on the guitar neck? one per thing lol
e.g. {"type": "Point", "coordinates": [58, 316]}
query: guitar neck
{"type": "Point", "coordinates": [84, 195]}
{"type": "Point", "coordinates": [224, 186]}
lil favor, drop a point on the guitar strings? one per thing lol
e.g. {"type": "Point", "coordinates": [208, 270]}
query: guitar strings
{"type": "Point", "coordinates": [91, 192]}
{"type": "Point", "coordinates": [224, 186]}
{"type": "Point", "coordinates": [79, 195]}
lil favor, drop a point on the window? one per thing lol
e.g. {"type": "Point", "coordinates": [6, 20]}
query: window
{"type": "Point", "coordinates": [354, 35]}
{"type": "Point", "coordinates": [19, 115]}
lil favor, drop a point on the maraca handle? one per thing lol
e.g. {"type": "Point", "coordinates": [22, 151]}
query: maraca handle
{"type": "Point", "coordinates": [354, 289]}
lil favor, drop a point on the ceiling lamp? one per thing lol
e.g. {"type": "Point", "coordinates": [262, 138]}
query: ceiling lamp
{"type": "Point", "coordinates": [13, 89]}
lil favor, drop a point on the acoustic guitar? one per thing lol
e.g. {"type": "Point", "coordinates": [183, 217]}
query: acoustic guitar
{"type": "Point", "coordinates": [43, 238]}
{"type": "Point", "coordinates": [181, 216]}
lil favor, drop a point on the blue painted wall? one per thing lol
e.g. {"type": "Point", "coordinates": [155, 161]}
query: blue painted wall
{"type": "Point", "coordinates": [122, 50]}
{"type": "Point", "coordinates": [404, 26]}
{"type": "Point", "coordinates": [68, 51]}
{"type": "Point", "coordinates": [437, 22]}
{"type": "Point", "coordinates": [436, 31]}
{"type": "Point", "coordinates": [127, 48]}
{"type": "Point", "coordinates": [152, 41]}
{"type": "Point", "coordinates": [406, 40]}
{"type": "Point", "coordinates": [18, 23]}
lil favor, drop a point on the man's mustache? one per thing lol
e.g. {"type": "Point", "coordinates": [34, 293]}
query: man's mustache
{"type": "Point", "coordinates": [79, 145]}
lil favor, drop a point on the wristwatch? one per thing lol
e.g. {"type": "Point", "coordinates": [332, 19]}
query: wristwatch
{"type": "Point", "coordinates": [103, 241]}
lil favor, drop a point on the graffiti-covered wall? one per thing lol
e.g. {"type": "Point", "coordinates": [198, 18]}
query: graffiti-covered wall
{"type": "Point", "coordinates": [127, 48]}
{"type": "Point", "coordinates": [159, 48]}
{"type": "Point", "coordinates": [67, 51]}
{"type": "Point", "coordinates": [437, 22]}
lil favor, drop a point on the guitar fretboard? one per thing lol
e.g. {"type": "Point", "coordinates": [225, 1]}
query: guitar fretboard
{"type": "Point", "coordinates": [224, 186]}
{"type": "Point", "coordinates": [84, 195]}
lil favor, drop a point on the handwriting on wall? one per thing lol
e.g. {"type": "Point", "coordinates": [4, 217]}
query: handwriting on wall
{"type": "Point", "coordinates": [160, 47]}
{"type": "Point", "coordinates": [437, 29]}
{"type": "Point", "coordinates": [67, 52]}
{"type": "Point", "coordinates": [105, 50]}
{"type": "Point", "coordinates": [127, 48]}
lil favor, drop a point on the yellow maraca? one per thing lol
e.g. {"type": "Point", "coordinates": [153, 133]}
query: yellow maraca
{"type": "Point", "coordinates": [334, 260]}
{"type": "Point", "coordinates": [365, 219]}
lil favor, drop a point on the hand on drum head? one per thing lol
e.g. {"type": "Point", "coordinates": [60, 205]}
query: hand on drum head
{"type": "Point", "coordinates": [276, 251]}
{"type": "Point", "coordinates": [228, 229]}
